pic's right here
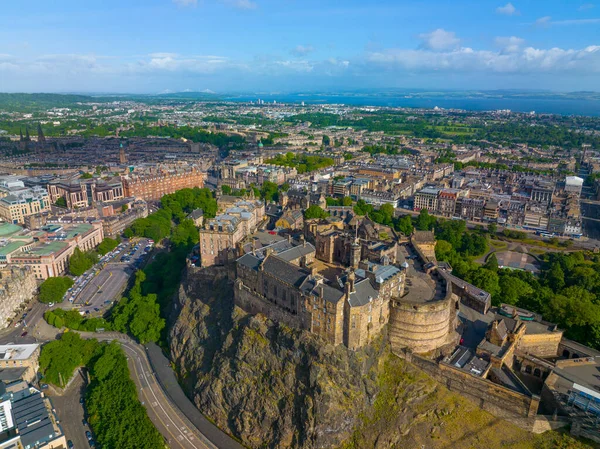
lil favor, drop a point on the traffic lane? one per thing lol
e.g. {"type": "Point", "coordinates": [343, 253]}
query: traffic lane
{"type": "Point", "coordinates": [177, 432]}
{"type": "Point", "coordinates": [15, 334]}
{"type": "Point", "coordinates": [167, 380]}
{"type": "Point", "coordinates": [71, 413]}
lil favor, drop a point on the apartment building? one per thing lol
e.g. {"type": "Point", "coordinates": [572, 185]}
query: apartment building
{"type": "Point", "coordinates": [426, 198]}
{"type": "Point", "coordinates": [152, 184]}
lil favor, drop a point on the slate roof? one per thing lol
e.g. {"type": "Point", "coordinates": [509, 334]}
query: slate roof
{"type": "Point", "coordinates": [32, 419]}
{"type": "Point", "coordinates": [329, 293]}
{"type": "Point", "coordinates": [423, 237]}
{"type": "Point", "coordinates": [196, 213]}
{"type": "Point", "coordinates": [362, 294]}
{"type": "Point", "coordinates": [284, 271]}
{"type": "Point", "coordinates": [249, 260]}
{"type": "Point", "coordinates": [296, 252]}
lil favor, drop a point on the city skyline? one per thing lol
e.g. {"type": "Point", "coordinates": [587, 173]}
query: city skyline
{"type": "Point", "coordinates": [225, 45]}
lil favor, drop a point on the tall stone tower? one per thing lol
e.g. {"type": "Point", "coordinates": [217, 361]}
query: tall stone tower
{"type": "Point", "coordinates": [122, 155]}
{"type": "Point", "coordinates": [355, 253]}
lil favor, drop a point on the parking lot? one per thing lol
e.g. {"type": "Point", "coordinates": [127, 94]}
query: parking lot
{"type": "Point", "coordinates": [96, 290]}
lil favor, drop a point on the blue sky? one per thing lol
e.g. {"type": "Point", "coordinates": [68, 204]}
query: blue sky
{"type": "Point", "coordinates": [151, 46]}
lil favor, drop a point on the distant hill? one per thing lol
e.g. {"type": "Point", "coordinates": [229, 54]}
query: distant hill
{"type": "Point", "coordinates": [200, 96]}
{"type": "Point", "coordinates": [33, 102]}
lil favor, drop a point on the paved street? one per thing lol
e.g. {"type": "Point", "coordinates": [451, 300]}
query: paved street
{"type": "Point", "coordinates": [70, 412]}
{"type": "Point", "coordinates": [99, 291]}
{"type": "Point", "coordinates": [168, 419]}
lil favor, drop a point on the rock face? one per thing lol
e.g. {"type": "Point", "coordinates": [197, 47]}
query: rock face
{"type": "Point", "coordinates": [269, 385]}
{"type": "Point", "coordinates": [275, 387]}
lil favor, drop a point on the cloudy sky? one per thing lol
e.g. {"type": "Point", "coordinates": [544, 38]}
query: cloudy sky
{"type": "Point", "coordinates": [151, 46]}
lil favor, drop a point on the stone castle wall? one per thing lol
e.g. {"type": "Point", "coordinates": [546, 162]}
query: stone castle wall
{"type": "Point", "coordinates": [252, 302]}
{"type": "Point", "coordinates": [496, 399]}
{"type": "Point", "coordinates": [542, 345]}
{"type": "Point", "coordinates": [422, 327]}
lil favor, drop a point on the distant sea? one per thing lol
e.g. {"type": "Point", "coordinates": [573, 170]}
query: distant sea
{"type": "Point", "coordinates": [539, 105]}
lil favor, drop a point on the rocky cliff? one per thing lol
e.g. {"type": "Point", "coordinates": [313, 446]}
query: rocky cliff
{"type": "Point", "coordinates": [275, 387]}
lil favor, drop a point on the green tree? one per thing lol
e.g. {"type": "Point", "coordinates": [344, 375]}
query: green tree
{"type": "Point", "coordinates": [315, 211]}
{"type": "Point", "coordinates": [86, 176]}
{"type": "Point", "coordinates": [124, 208]}
{"type": "Point", "coordinates": [80, 262]}
{"type": "Point", "coordinates": [326, 140]}
{"type": "Point", "coordinates": [425, 222]}
{"type": "Point", "coordinates": [486, 280]}
{"type": "Point", "coordinates": [387, 212]}
{"type": "Point", "coordinates": [61, 202]}
{"type": "Point", "coordinates": [491, 263]}
{"type": "Point", "coordinates": [555, 277]}
{"type": "Point", "coordinates": [269, 191]}
{"type": "Point", "coordinates": [405, 225]}
{"type": "Point", "coordinates": [513, 289]}
{"type": "Point", "coordinates": [443, 250]}
{"type": "Point", "coordinates": [346, 201]}
{"type": "Point", "coordinates": [492, 229]}
{"type": "Point", "coordinates": [53, 289]}
{"type": "Point", "coordinates": [107, 245]}
{"type": "Point", "coordinates": [226, 190]}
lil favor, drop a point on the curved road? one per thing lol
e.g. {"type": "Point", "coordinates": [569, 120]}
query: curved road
{"type": "Point", "coordinates": [172, 420]}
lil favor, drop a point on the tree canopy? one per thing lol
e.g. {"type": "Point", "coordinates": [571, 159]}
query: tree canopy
{"type": "Point", "coordinates": [315, 211]}
{"type": "Point", "coordinates": [138, 314]}
{"type": "Point", "coordinates": [53, 289]}
{"type": "Point", "coordinates": [80, 262]}
{"type": "Point", "coordinates": [107, 245]}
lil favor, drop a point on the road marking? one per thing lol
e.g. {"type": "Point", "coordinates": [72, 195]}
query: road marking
{"type": "Point", "coordinates": [154, 394]}
{"type": "Point", "coordinates": [156, 414]}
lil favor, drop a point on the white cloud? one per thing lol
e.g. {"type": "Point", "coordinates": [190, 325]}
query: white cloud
{"type": "Point", "coordinates": [302, 50]}
{"type": "Point", "coordinates": [510, 44]}
{"type": "Point", "coordinates": [528, 60]}
{"type": "Point", "coordinates": [241, 4]}
{"type": "Point", "coordinates": [547, 21]}
{"type": "Point", "coordinates": [586, 6]}
{"type": "Point", "coordinates": [511, 57]}
{"type": "Point", "coordinates": [507, 10]}
{"type": "Point", "coordinates": [185, 3]}
{"type": "Point", "coordinates": [543, 21]}
{"type": "Point", "coordinates": [439, 40]}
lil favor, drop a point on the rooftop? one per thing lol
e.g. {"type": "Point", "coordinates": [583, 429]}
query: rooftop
{"type": "Point", "coordinates": [48, 248]}
{"type": "Point", "coordinates": [17, 352]}
{"type": "Point", "coordinates": [8, 229]}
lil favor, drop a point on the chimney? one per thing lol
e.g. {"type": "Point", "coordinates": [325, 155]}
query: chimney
{"type": "Point", "coordinates": [268, 252]}
{"type": "Point", "coordinates": [351, 279]}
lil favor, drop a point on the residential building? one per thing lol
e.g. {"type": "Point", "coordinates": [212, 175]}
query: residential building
{"type": "Point", "coordinates": [22, 358]}
{"type": "Point", "coordinates": [153, 183]}
{"type": "Point", "coordinates": [426, 198]}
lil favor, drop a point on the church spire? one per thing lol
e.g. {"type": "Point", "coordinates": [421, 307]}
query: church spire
{"type": "Point", "coordinates": [40, 132]}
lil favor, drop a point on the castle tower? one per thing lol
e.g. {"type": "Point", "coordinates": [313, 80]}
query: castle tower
{"type": "Point", "coordinates": [355, 253]}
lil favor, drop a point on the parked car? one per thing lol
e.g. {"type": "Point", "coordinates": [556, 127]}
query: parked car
{"type": "Point", "coordinates": [88, 435]}
{"type": "Point", "coordinates": [24, 334]}
{"type": "Point", "coordinates": [70, 444]}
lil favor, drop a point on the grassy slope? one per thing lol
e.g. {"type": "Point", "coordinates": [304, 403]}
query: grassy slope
{"type": "Point", "coordinates": [413, 411]}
